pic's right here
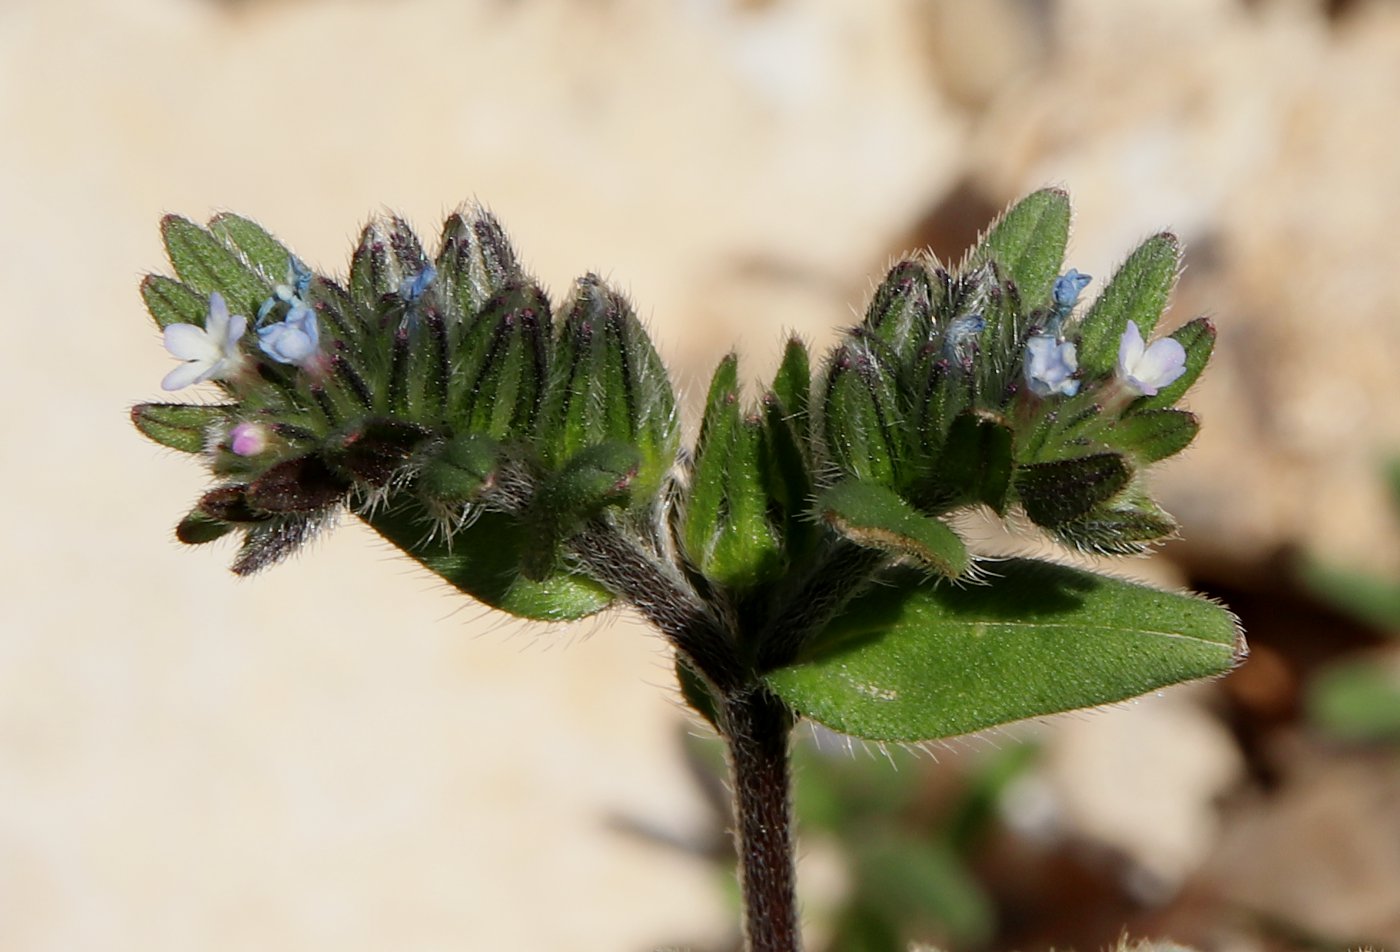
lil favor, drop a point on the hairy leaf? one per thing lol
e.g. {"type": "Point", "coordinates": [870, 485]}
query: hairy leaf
{"type": "Point", "coordinates": [911, 661]}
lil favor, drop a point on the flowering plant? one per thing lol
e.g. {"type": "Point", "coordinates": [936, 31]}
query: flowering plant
{"type": "Point", "coordinates": [800, 559]}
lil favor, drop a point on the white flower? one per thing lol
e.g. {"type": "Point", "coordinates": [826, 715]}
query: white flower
{"type": "Point", "coordinates": [1050, 367]}
{"type": "Point", "coordinates": [209, 352]}
{"type": "Point", "coordinates": [1148, 369]}
{"type": "Point", "coordinates": [293, 340]}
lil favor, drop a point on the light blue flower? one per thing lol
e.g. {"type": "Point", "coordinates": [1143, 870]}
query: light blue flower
{"type": "Point", "coordinates": [411, 289]}
{"type": "Point", "coordinates": [1145, 370]}
{"type": "Point", "coordinates": [209, 352]}
{"type": "Point", "coordinates": [1067, 289]}
{"type": "Point", "coordinates": [1050, 367]}
{"type": "Point", "coordinates": [293, 340]}
{"type": "Point", "coordinates": [292, 292]}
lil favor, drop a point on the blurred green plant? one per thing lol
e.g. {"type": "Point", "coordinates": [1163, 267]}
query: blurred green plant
{"type": "Point", "coordinates": [1358, 699]}
{"type": "Point", "coordinates": [800, 559]}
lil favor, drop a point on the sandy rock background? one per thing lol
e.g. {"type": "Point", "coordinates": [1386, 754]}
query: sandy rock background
{"type": "Point", "coordinates": [342, 755]}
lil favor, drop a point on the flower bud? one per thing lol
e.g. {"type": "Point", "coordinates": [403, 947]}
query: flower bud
{"type": "Point", "coordinates": [475, 260]}
{"type": "Point", "coordinates": [460, 470]}
{"type": "Point", "coordinates": [900, 316]}
{"type": "Point", "coordinates": [502, 364]}
{"type": "Point", "coordinates": [608, 385]}
{"type": "Point", "coordinates": [862, 424]}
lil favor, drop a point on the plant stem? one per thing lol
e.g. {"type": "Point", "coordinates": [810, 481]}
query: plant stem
{"type": "Point", "coordinates": [756, 728]}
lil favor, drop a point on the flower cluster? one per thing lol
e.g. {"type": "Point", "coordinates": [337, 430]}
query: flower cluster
{"type": "Point", "coordinates": [447, 401]}
{"type": "Point", "coordinates": [437, 397]}
{"type": "Point", "coordinates": [988, 385]}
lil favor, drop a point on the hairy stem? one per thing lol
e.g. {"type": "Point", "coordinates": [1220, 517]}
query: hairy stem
{"type": "Point", "coordinates": [757, 726]}
{"type": "Point", "coordinates": [663, 597]}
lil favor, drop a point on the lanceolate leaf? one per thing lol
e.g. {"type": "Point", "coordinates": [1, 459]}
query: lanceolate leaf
{"type": "Point", "coordinates": [205, 264]}
{"type": "Point", "coordinates": [262, 251]}
{"type": "Point", "coordinates": [1153, 435]}
{"type": "Point", "coordinates": [1137, 292]}
{"type": "Point", "coordinates": [171, 302]}
{"type": "Point", "coordinates": [1028, 242]}
{"type": "Point", "coordinates": [180, 426]}
{"type": "Point", "coordinates": [912, 661]}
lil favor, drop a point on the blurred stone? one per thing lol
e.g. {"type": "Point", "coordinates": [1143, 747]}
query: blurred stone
{"type": "Point", "coordinates": [1321, 854]}
{"type": "Point", "coordinates": [1168, 122]}
{"type": "Point", "coordinates": [1143, 779]}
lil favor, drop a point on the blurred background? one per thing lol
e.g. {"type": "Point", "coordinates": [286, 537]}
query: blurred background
{"type": "Point", "coordinates": [343, 755]}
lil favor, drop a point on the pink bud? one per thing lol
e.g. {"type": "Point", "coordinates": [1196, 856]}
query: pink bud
{"type": "Point", "coordinates": [248, 439]}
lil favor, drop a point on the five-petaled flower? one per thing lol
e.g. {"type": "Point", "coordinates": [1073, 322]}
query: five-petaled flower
{"type": "Point", "coordinates": [1050, 366]}
{"type": "Point", "coordinates": [1145, 370]}
{"type": "Point", "coordinates": [209, 352]}
{"type": "Point", "coordinates": [294, 339]}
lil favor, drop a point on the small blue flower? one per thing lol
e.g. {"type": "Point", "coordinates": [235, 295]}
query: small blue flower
{"type": "Point", "coordinates": [293, 340]}
{"type": "Point", "coordinates": [292, 292]}
{"type": "Point", "coordinates": [209, 352]}
{"type": "Point", "coordinates": [1145, 370]}
{"type": "Point", "coordinates": [411, 289]}
{"type": "Point", "coordinates": [1068, 287]}
{"type": "Point", "coordinates": [1050, 367]}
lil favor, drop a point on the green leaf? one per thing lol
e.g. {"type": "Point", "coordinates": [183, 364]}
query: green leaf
{"type": "Point", "coordinates": [725, 527]}
{"type": "Point", "coordinates": [171, 302]}
{"type": "Point", "coordinates": [902, 877]}
{"type": "Point", "coordinates": [1028, 243]}
{"type": "Point", "coordinates": [1357, 701]}
{"type": "Point", "coordinates": [1372, 600]}
{"type": "Point", "coordinates": [1153, 435]}
{"type": "Point", "coordinates": [874, 516]}
{"type": "Point", "coordinates": [197, 529]}
{"type": "Point", "coordinates": [701, 515]}
{"type": "Point", "coordinates": [1137, 292]}
{"type": "Point", "coordinates": [201, 261]}
{"type": "Point", "coordinates": [264, 252]}
{"type": "Point", "coordinates": [180, 426]}
{"type": "Point", "coordinates": [484, 561]}
{"type": "Point", "coordinates": [744, 551]}
{"type": "Point", "coordinates": [792, 386]}
{"type": "Point", "coordinates": [1124, 526]}
{"type": "Point", "coordinates": [1063, 490]}
{"type": "Point", "coordinates": [788, 477]}
{"type": "Point", "coordinates": [910, 661]}
{"type": "Point", "coordinates": [1198, 338]}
